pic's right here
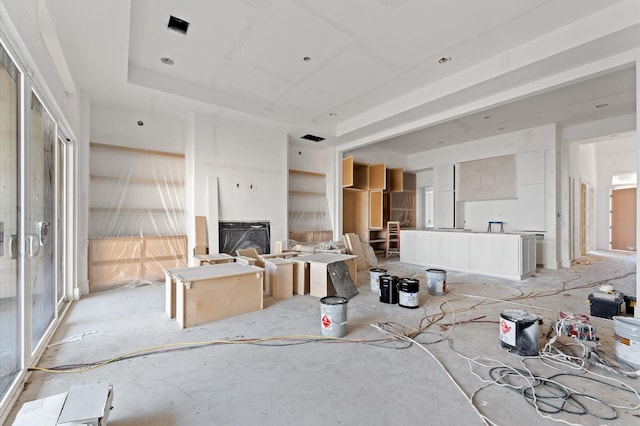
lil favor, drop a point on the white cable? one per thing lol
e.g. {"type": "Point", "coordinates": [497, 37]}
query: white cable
{"type": "Point", "coordinates": [502, 301]}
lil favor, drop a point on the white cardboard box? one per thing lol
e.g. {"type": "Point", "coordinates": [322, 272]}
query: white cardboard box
{"type": "Point", "coordinates": [82, 405]}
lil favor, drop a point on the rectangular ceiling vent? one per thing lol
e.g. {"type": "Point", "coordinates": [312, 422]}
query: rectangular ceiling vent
{"type": "Point", "coordinates": [313, 138]}
{"type": "Point", "coordinates": [177, 24]}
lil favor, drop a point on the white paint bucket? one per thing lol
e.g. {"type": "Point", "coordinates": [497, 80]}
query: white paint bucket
{"type": "Point", "coordinates": [333, 316]}
{"type": "Point", "coordinates": [374, 275]}
{"type": "Point", "coordinates": [627, 335]}
{"type": "Point", "coordinates": [436, 281]}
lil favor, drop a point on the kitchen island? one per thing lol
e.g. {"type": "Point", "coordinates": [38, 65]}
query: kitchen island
{"type": "Point", "coordinates": [499, 254]}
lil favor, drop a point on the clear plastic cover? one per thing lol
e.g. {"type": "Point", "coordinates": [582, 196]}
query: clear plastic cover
{"type": "Point", "coordinates": [309, 218]}
{"type": "Point", "coordinates": [137, 223]}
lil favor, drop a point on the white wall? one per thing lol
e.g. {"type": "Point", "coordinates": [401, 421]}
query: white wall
{"type": "Point", "coordinates": [120, 127]}
{"type": "Point", "coordinates": [616, 156]}
{"type": "Point", "coordinates": [250, 164]}
{"type": "Point", "coordinates": [543, 138]}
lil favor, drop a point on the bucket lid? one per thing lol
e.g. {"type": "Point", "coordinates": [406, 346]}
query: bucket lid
{"type": "Point", "coordinates": [519, 314]}
{"type": "Point", "coordinates": [409, 286]}
{"type": "Point", "coordinates": [633, 324]}
{"type": "Point", "coordinates": [333, 300]}
{"type": "Point", "coordinates": [437, 271]}
{"type": "Point", "coordinates": [378, 270]}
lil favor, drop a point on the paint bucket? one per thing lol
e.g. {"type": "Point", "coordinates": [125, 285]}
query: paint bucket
{"type": "Point", "coordinates": [374, 274]}
{"type": "Point", "coordinates": [519, 332]}
{"type": "Point", "coordinates": [627, 335]}
{"type": "Point", "coordinates": [389, 289]}
{"type": "Point", "coordinates": [408, 289]}
{"type": "Point", "coordinates": [333, 316]}
{"type": "Point", "coordinates": [436, 281]}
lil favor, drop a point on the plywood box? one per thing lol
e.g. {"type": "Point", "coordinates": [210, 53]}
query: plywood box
{"type": "Point", "coordinates": [202, 294]}
{"type": "Point", "coordinates": [279, 278]}
{"type": "Point", "coordinates": [301, 271]}
{"type": "Point", "coordinates": [319, 281]}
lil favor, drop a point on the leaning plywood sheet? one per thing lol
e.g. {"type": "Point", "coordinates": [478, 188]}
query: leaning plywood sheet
{"type": "Point", "coordinates": [341, 280]}
{"type": "Point", "coordinates": [356, 248]}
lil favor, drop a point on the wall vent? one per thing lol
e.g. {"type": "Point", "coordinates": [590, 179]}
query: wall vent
{"type": "Point", "coordinates": [177, 24]}
{"type": "Point", "coordinates": [313, 138]}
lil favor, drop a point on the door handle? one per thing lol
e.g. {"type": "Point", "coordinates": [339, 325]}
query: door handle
{"type": "Point", "coordinates": [13, 246]}
{"type": "Point", "coordinates": [33, 241]}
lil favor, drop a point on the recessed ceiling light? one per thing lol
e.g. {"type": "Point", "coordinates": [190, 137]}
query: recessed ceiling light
{"type": "Point", "coordinates": [306, 58]}
{"type": "Point", "coordinates": [486, 117]}
{"type": "Point", "coordinates": [140, 123]}
{"type": "Point", "coordinates": [440, 143]}
{"type": "Point", "coordinates": [167, 61]}
{"type": "Point", "coordinates": [444, 60]}
{"type": "Point", "coordinates": [333, 114]}
{"type": "Point", "coordinates": [501, 129]}
{"type": "Point", "coordinates": [614, 136]}
{"type": "Point", "coordinates": [602, 105]}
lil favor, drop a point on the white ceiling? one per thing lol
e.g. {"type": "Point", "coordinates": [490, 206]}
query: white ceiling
{"type": "Point", "coordinates": [373, 71]}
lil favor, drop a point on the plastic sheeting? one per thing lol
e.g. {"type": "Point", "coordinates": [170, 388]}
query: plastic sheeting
{"type": "Point", "coordinates": [137, 221]}
{"type": "Point", "coordinates": [309, 219]}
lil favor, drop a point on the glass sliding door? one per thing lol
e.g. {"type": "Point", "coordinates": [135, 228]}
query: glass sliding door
{"type": "Point", "coordinates": [61, 215]}
{"type": "Point", "coordinates": [10, 294]}
{"type": "Point", "coordinates": [40, 222]}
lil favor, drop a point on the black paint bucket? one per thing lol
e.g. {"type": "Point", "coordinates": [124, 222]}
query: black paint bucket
{"type": "Point", "coordinates": [519, 332]}
{"type": "Point", "coordinates": [408, 289]}
{"type": "Point", "coordinates": [389, 289]}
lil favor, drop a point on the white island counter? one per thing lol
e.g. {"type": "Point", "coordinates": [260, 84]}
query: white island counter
{"type": "Point", "coordinates": [504, 255]}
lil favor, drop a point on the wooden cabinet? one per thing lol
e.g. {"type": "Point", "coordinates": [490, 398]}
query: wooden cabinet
{"type": "Point", "coordinates": [377, 177]}
{"type": "Point", "coordinates": [374, 195]}
{"type": "Point", "coordinates": [354, 175]}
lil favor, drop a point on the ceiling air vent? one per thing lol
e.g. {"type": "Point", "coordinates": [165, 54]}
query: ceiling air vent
{"type": "Point", "coordinates": [178, 25]}
{"type": "Point", "coordinates": [313, 138]}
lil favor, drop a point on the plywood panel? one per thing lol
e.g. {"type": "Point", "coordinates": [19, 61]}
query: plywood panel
{"type": "Point", "coordinates": [375, 210]}
{"type": "Point", "coordinates": [623, 219]}
{"type": "Point", "coordinates": [213, 299]}
{"type": "Point", "coordinates": [377, 176]}
{"type": "Point", "coordinates": [163, 246]}
{"type": "Point", "coordinates": [115, 249]}
{"type": "Point", "coordinates": [488, 179]}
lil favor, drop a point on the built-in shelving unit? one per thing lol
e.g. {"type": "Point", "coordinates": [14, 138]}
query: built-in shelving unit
{"type": "Point", "coordinates": [308, 207]}
{"type": "Point", "coordinates": [373, 195]}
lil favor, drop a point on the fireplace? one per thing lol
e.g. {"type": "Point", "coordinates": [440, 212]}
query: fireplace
{"type": "Point", "coordinates": [242, 235]}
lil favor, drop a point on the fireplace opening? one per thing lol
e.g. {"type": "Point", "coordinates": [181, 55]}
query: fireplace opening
{"type": "Point", "coordinates": [241, 235]}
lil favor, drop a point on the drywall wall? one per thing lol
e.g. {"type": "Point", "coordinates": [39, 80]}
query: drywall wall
{"type": "Point", "coordinates": [476, 214]}
{"type": "Point", "coordinates": [614, 157]}
{"type": "Point", "coordinates": [250, 164]}
{"type": "Point", "coordinates": [120, 127]}
{"type": "Point", "coordinates": [24, 22]}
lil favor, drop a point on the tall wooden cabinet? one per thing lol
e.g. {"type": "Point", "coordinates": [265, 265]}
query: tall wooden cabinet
{"type": "Point", "coordinates": [373, 195]}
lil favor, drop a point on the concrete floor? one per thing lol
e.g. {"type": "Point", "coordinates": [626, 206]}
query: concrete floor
{"type": "Point", "coordinates": [336, 382]}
